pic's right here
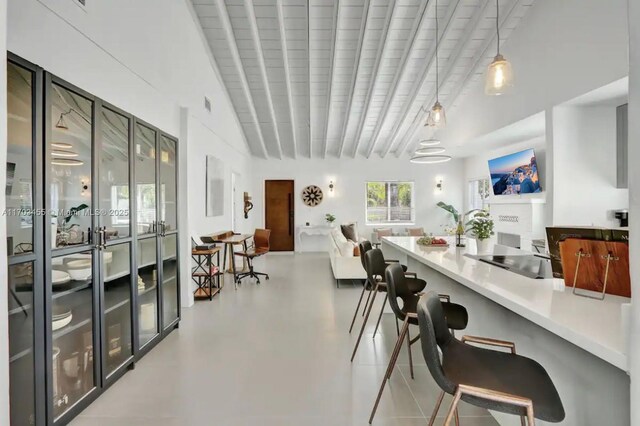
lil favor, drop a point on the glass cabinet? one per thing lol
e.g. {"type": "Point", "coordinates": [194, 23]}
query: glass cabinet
{"type": "Point", "coordinates": [92, 243]}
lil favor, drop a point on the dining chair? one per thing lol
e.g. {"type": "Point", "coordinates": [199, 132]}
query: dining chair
{"type": "Point", "coordinates": [398, 288]}
{"type": "Point", "coordinates": [375, 266]}
{"type": "Point", "coordinates": [487, 378]}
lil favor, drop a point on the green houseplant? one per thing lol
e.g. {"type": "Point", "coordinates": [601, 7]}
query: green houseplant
{"type": "Point", "coordinates": [458, 228]}
{"type": "Point", "coordinates": [481, 227]}
{"type": "Point", "coordinates": [330, 218]}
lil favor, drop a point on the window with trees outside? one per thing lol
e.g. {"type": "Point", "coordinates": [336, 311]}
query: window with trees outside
{"type": "Point", "coordinates": [479, 191]}
{"type": "Point", "coordinates": [390, 203]}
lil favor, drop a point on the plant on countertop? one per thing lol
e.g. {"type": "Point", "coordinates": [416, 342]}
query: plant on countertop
{"type": "Point", "coordinates": [330, 218]}
{"type": "Point", "coordinates": [458, 228]}
{"type": "Point", "coordinates": [481, 226]}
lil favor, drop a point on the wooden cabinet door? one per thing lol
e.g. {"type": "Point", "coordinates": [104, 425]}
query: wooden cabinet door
{"type": "Point", "coordinates": [279, 214]}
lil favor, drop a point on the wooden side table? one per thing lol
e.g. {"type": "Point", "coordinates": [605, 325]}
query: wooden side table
{"type": "Point", "coordinates": [205, 273]}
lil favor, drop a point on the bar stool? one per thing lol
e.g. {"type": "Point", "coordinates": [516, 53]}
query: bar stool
{"type": "Point", "coordinates": [495, 380]}
{"type": "Point", "coordinates": [375, 266]}
{"type": "Point", "coordinates": [397, 288]}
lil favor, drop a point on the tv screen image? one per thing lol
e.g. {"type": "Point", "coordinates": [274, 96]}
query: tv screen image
{"type": "Point", "coordinates": [515, 173]}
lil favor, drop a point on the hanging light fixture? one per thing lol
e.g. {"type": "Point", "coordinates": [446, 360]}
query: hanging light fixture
{"type": "Point", "coordinates": [61, 124]}
{"type": "Point", "coordinates": [66, 162]}
{"type": "Point", "coordinates": [430, 159]}
{"type": "Point", "coordinates": [64, 154]}
{"type": "Point", "coordinates": [429, 142]}
{"type": "Point", "coordinates": [429, 151]}
{"type": "Point", "coordinates": [437, 117]}
{"type": "Point", "coordinates": [499, 78]}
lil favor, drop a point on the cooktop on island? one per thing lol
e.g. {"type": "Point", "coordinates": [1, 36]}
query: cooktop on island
{"type": "Point", "coordinates": [532, 266]}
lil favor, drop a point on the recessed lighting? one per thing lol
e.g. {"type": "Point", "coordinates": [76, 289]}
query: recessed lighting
{"type": "Point", "coordinates": [61, 153]}
{"type": "Point", "coordinates": [66, 162]}
{"type": "Point", "coordinates": [429, 151]}
{"type": "Point", "coordinates": [61, 145]}
{"type": "Point", "coordinates": [430, 142]}
{"type": "Point", "coordinates": [430, 159]}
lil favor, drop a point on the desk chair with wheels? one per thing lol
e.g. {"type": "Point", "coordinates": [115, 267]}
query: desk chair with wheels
{"type": "Point", "coordinates": [491, 379]}
{"type": "Point", "coordinates": [259, 247]}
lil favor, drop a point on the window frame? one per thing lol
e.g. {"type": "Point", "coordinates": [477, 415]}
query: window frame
{"type": "Point", "coordinates": [389, 222]}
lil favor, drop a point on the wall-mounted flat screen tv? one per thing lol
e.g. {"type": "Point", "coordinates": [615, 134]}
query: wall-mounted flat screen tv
{"type": "Point", "coordinates": [515, 173]}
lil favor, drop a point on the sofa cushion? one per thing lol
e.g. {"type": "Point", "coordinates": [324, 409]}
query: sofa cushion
{"type": "Point", "coordinates": [415, 232]}
{"type": "Point", "coordinates": [350, 231]}
{"type": "Point", "coordinates": [344, 246]}
{"type": "Point", "coordinates": [383, 232]}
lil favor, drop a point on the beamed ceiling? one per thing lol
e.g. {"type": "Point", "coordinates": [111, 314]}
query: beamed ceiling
{"type": "Point", "coordinates": [346, 78]}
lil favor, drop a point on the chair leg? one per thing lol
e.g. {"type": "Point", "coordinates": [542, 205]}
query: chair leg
{"type": "Point", "coordinates": [355, 314]}
{"type": "Point", "coordinates": [456, 417]}
{"type": "Point", "coordinates": [386, 297]}
{"type": "Point", "coordinates": [410, 356]}
{"type": "Point", "coordinates": [390, 367]}
{"type": "Point", "coordinates": [397, 327]}
{"type": "Point", "coordinates": [364, 322]}
{"type": "Point", "coordinates": [530, 419]}
{"type": "Point", "coordinates": [366, 303]}
{"type": "Point", "coordinates": [436, 409]}
{"type": "Point", "coordinates": [523, 421]}
{"type": "Point", "coordinates": [453, 408]}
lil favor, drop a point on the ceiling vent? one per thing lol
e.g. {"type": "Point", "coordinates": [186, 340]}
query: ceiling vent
{"type": "Point", "coordinates": [207, 104]}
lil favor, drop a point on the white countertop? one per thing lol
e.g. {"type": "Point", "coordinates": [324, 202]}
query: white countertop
{"type": "Point", "coordinates": [593, 325]}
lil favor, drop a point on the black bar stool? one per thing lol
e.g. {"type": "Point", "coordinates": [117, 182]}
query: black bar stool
{"type": "Point", "coordinates": [375, 266]}
{"type": "Point", "coordinates": [398, 288]}
{"type": "Point", "coordinates": [495, 380]}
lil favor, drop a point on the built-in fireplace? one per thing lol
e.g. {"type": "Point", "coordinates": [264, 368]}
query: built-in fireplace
{"type": "Point", "coordinates": [519, 222]}
{"type": "Point", "coordinates": [507, 239]}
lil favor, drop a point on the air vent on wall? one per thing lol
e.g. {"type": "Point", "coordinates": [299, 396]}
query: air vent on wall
{"type": "Point", "coordinates": [207, 104]}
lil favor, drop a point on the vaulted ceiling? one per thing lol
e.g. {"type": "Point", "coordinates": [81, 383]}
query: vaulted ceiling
{"type": "Point", "coordinates": [346, 78]}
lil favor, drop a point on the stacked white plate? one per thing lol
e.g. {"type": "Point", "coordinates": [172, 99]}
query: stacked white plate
{"type": "Point", "coordinates": [61, 317]}
{"type": "Point", "coordinates": [59, 277]}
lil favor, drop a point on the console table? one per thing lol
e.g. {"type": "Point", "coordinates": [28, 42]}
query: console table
{"type": "Point", "coordinates": [312, 230]}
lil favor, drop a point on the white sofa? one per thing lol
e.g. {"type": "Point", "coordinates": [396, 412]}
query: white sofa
{"type": "Point", "coordinates": [344, 264]}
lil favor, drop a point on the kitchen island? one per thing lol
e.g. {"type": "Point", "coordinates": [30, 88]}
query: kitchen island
{"type": "Point", "coordinates": [580, 341]}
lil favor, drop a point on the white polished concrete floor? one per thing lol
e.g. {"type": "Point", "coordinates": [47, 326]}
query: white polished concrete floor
{"type": "Point", "coordinates": [276, 354]}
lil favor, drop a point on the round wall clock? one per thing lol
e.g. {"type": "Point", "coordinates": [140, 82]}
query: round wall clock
{"type": "Point", "coordinates": [312, 196]}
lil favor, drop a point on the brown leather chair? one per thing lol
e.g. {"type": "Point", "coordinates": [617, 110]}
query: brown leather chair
{"type": "Point", "coordinates": [259, 247]}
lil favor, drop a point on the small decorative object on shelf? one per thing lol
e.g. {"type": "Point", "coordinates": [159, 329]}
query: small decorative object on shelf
{"type": "Point", "coordinates": [330, 218]}
{"type": "Point", "coordinates": [481, 227]}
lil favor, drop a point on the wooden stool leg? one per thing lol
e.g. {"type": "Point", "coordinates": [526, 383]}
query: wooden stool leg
{"type": "Point", "coordinates": [386, 297]}
{"type": "Point", "coordinates": [355, 314]}
{"type": "Point", "coordinates": [364, 322]}
{"type": "Point", "coordinates": [436, 409]}
{"type": "Point", "coordinates": [410, 356]}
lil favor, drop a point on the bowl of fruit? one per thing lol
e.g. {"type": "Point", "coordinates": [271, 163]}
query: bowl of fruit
{"type": "Point", "coordinates": [431, 241]}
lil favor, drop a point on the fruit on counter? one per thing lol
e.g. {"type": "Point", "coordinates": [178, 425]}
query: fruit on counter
{"type": "Point", "coordinates": [431, 240]}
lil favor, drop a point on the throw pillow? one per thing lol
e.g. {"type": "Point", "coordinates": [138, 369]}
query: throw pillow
{"type": "Point", "coordinates": [350, 232]}
{"type": "Point", "coordinates": [384, 232]}
{"type": "Point", "coordinates": [415, 232]}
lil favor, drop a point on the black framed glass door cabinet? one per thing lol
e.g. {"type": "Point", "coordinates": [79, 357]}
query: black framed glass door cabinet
{"type": "Point", "coordinates": [82, 232]}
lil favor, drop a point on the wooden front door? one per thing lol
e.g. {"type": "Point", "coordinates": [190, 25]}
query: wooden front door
{"type": "Point", "coordinates": [279, 213]}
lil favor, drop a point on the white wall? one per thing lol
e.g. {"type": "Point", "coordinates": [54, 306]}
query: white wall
{"type": "Point", "coordinates": [349, 177]}
{"type": "Point", "coordinates": [584, 179]}
{"type": "Point", "coordinates": [634, 205]}
{"type": "Point", "coordinates": [4, 325]}
{"type": "Point", "coordinates": [560, 50]}
{"type": "Point", "coordinates": [154, 64]}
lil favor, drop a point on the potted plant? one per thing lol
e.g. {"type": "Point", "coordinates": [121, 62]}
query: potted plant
{"type": "Point", "coordinates": [330, 218]}
{"type": "Point", "coordinates": [458, 228]}
{"type": "Point", "coordinates": [481, 227]}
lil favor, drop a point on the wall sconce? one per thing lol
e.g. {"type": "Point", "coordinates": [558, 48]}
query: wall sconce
{"type": "Point", "coordinates": [331, 186]}
{"type": "Point", "coordinates": [248, 205]}
{"type": "Point", "coordinates": [85, 186]}
{"type": "Point", "coordinates": [439, 185]}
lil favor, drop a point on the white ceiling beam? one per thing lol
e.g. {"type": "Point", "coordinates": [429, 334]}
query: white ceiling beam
{"type": "Point", "coordinates": [413, 35]}
{"type": "Point", "coordinates": [226, 24]}
{"type": "Point", "coordinates": [475, 63]}
{"type": "Point", "coordinates": [287, 77]}
{"type": "Point", "coordinates": [354, 75]}
{"type": "Point", "coordinates": [334, 37]}
{"type": "Point", "coordinates": [382, 44]}
{"type": "Point", "coordinates": [308, 2]}
{"type": "Point", "coordinates": [248, 5]}
{"type": "Point", "coordinates": [419, 82]}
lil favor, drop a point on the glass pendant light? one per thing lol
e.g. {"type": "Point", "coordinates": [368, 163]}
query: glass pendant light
{"type": "Point", "coordinates": [437, 117]}
{"type": "Point", "coordinates": [499, 78]}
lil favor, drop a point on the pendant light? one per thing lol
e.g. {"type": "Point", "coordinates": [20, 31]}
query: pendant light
{"type": "Point", "coordinates": [430, 150]}
{"type": "Point", "coordinates": [499, 78]}
{"type": "Point", "coordinates": [437, 117]}
{"type": "Point", "coordinates": [429, 142]}
{"type": "Point", "coordinates": [430, 159]}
